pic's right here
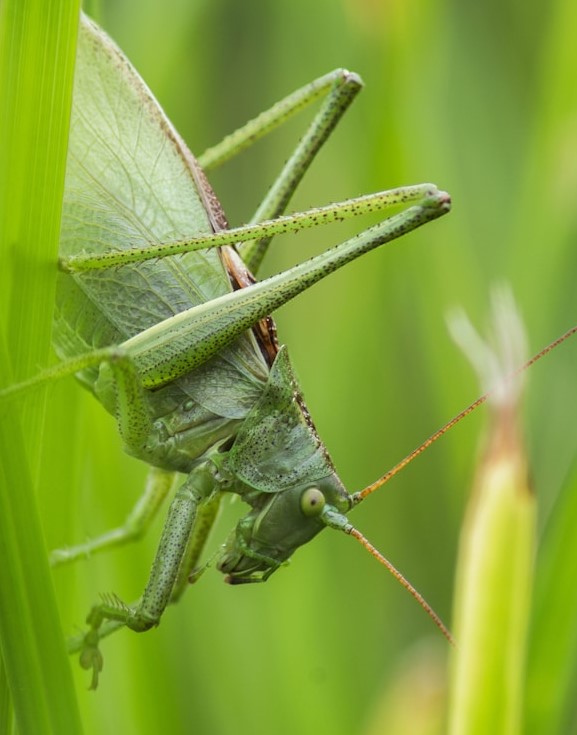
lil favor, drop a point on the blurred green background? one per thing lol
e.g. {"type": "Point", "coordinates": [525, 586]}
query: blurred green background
{"type": "Point", "coordinates": [479, 98]}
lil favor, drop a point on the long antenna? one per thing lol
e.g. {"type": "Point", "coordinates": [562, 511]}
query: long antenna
{"type": "Point", "coordinates": [362, 494]}
{"type": "Point", "coordinates": [334, 519]}
{"type": "Point", "coordinates": [403, 581]}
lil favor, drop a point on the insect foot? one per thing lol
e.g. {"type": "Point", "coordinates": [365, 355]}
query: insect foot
{"type": "Point", "coordinates": [90, 656]}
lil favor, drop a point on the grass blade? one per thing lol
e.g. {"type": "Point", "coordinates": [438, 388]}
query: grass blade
{"type": "Point", "coordinates": [37, 47]}
{"type": "Point", "coordinates": [550, 701]}
{"type": "Point", "coordinates": [496, 555]}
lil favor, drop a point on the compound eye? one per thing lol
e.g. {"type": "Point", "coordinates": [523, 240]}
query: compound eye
{"type": "Point", "coordinates": [312, 501]}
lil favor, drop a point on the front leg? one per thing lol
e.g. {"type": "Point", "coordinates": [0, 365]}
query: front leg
{"type": "Point", "coordinates": [147, 613]}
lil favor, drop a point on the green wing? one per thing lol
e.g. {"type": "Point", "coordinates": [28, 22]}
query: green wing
{"type": "Point", "coordinates": [131, 182]}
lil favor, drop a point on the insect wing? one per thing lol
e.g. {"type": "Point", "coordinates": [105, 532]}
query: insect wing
{"type": "Point", "coordinates": [131, 182]}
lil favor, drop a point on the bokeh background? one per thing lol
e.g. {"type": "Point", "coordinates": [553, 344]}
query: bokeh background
{"type": "Point", "coordinates": [479, 98]}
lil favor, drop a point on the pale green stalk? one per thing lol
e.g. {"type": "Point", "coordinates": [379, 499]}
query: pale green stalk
{"type": "Point", "coordinates": [493, 595]}
{"type": "Point", "coordinates": [493, 588]}
{"type": "Point", "coordinates": [37, 47]}
{"type": "Point", "coordinates": [550, 700]}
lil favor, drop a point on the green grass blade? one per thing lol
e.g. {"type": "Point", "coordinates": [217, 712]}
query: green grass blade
{"type": "Point", "coordinates": [550, 701]}
{"type": "Point", "coordinates": [37, 46]}
{"type": "Point", "coordinates": [5, 701]}
{"type": "Point", "coordinates": [492, 609]}
{"type": "Point", "coordinates": [494, 579]}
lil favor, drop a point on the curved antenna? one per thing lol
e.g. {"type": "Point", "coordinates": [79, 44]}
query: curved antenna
{"type": "Point", "coordinates": [332, 518]}
{"type": "Point", "coordinates": [357, 497]}
{"type": "Point", "coordinates": [403, 581]}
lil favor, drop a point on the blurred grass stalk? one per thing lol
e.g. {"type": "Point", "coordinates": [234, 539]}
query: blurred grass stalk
{"type": "Point", "coordinates": [495, 567]}
{"type": "Point", "coordinates": [37, 50]}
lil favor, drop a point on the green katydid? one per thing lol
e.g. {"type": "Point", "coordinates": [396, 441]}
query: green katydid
{"type": "Point", "coordinates": [159, 315]}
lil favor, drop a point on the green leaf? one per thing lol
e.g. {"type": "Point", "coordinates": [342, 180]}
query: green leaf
{"type": "Point", "coordinates": [37, 49]}
{"type": "Point", "coordinates": [552, 667]}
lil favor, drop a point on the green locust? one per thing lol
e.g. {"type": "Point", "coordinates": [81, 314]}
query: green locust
{"type": "Point", "coordinates": [160, 316]}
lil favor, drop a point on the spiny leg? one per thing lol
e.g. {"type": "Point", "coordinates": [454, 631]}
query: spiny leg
{"type": "Point", "coordinates": [270, 119]}
{"type": "Point", "coordinates": [172, 548]}
{"type": "Point", "coordinates": [190, 571]}
{"type": "Point", "coordinates": [317, 216]}
{"type": "Point", "coordinates": [180, 343]}
{"type": "Point", "coordinates": [343, 91]}
{"type": "Point", "coordinates": [339, 87]}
